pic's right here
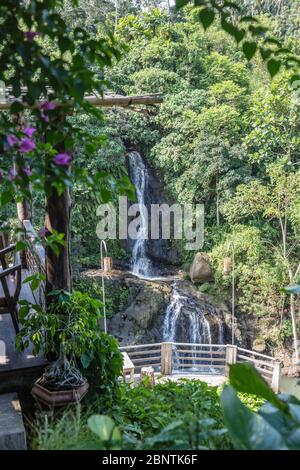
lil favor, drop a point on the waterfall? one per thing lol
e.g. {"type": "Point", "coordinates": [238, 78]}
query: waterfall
{"type": "Point", "coordinates": [185, 321]}
{"type": "Point", "coordinates": [140, 263]}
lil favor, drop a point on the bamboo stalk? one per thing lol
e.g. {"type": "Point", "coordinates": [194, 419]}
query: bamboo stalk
{"type": "Point", "coordinates": [105, 101]}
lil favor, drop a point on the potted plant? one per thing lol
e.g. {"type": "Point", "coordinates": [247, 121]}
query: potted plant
{"type": "Point", "coordinates": [67, 331]}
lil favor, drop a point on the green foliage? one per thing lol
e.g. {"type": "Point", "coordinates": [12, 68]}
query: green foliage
{"type": "Point", "coordinates": [176, 415]}
{"type": "Point", "coordinates": [242, 28]}
{"type": "Point", "coordinates": [259, 275]}
{"type": "Point", "coordinates": [71, 321]}
{"type": "Point", "coordinates": [102, 366]}
{"type": "Point", "coordinates": [71, 325]}
{"type": "Point", "coordinates": [62, 431]}
{"type": "Point", "coordinates": [106, 430]}
{"type": "Point", "coordinates": [116, 299]}
{"type": "Point", "coordinates": [182, 415]}
{"type": "Point", "coordinates": [276, 424]}
{"type": "Point", "coordinates": [48, 54]}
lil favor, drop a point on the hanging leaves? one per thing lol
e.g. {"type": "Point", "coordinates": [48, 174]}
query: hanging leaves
{"type": "Point", "coordinates": [249, 49]}
{"type": "Point", "coordinates": [273, 67]}
{"type": "Point", "coordinates": [249, 27]}
{"type": "Point", "coordinates": [206, 17]}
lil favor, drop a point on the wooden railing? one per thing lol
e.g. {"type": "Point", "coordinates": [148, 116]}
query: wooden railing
{"type": "Point", "coordinates": [35, 260]}
{"type": "Point", "coordinates": [267, 366]}
{"type": "Point", "coordinates": [169, 358]}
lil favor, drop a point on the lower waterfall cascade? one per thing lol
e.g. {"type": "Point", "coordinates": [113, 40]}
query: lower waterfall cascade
{"type": "Point", "coordinates": [184, 321]}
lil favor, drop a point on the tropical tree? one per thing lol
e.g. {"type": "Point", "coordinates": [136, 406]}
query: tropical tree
{"type": "Point", "coordinates": [279, 203]}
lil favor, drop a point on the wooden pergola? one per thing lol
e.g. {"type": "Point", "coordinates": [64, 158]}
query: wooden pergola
{"type": "Point", "coordinates": [58, 207]}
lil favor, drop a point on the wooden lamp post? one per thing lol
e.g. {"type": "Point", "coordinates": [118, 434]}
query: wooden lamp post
{"type": "Point", "coordinates": [106, 265]}
{"type": "Point", "coordinates": [229, 266]}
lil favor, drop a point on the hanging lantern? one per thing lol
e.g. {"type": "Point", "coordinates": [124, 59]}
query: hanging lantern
{"type": "Point", "coordinates": [106, 264]}
{"type": "Point", "coordinates": [227, 265]}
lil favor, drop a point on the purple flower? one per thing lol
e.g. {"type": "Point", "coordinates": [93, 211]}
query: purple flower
{"type": "Point", "coordinates": [29, 131]}
{"type": "Point", "coordinates": [30, 35]}
{"type": "Point", "coordinates": [48, 105]}
{"type": "Point", "coordinates": [27, 171]}
{"type": "Point", "coordinates": [12, 140]}
{"type": "Point", "coordinates": [63, 159]}
{"type": "Point", "coordinates": [1, 174]}
{"type": "Point", "coordinates": [27, 145]}
{"type": "Point", "coordinates": [45, 117]}
{"type": "Point", "coordinates": [43, 232]}
{"type": "Point", "coordinates": [12, 174]}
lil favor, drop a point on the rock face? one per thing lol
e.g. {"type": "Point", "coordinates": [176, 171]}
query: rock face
{"type": "Point", "coordinates": [141, 319]}
{"type": "Point", "coordinates": [160, 251]}
{"type": "Point", "coordinates": [140, 322]}
{"type": "Point", "coordinates": [200, 270]}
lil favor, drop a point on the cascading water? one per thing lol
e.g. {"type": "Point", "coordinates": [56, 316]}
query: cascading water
{"type": "Point", "coordinates": [197, 327]}
{"type": "Point", "coordinates": [141, 264]}
{"type": "Point", "coordinates": [185, 322]}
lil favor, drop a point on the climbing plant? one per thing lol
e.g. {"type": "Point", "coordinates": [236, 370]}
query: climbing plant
{"type": "Point", "coordinates": [48, 67]}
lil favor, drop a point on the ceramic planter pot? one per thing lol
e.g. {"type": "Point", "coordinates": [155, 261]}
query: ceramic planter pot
{"type": "Point", "coordinates": [58, 398]}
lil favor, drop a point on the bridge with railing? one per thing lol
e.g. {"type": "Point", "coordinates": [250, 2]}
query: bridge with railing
{"type": "Point", "coordinates": [200, 360]}
{"type": "Point", "coordinates": [167, 358]}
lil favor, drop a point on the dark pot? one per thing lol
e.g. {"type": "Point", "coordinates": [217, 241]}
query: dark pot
{"type": "Point", "coordinates": [58, 398]}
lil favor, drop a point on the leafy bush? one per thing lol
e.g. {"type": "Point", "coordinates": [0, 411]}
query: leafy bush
{"type": "Point", "coordinates": [175, 415]}
{"type": "Point", "coordinates": [71, 326]}
{"type": "Point", "coordinates": [183, 414]}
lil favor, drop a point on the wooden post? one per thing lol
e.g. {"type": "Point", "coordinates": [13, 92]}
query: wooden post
{"type": "Point", "coordinates": [276, 377]}
{"type": "Point", "coordinates": [147, 376]}
{"type": "Point", "coordinates": [166, 358]}
{"type": "Point", "coordinates": [231, 356]}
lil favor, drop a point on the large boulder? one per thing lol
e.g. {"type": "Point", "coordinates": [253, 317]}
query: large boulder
{"type": "Point", "coordinates": [200, 270]}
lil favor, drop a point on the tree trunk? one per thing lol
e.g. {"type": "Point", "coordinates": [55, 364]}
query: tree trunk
{"type": "Point", "coordinates": [58, 217]}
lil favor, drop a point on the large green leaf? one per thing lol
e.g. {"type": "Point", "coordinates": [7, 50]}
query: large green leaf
{"type": "Point", "coordinates": [273, 67]}
{"type": "Point", "coordinates": [288, 427]}
{"type": "Point", "coordinates": [181, 3]}
{"type": "Point", "coordinates": [206, 17]}
{"type": "Point", "coordinates": [104, 427]}
{"type": "Point", "coordinates": [249, 49]}
{"type": "Point", "coordinates": [244, 378]}
{"type": "Point", "coordinates": [248, 430]}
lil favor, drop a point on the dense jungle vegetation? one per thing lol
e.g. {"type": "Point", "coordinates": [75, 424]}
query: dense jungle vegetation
{"type": "Point", "coordinates": [226, 136]}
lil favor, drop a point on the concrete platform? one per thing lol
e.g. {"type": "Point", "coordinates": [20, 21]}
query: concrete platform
{"type": "Point", "coordinates": [12, 431]}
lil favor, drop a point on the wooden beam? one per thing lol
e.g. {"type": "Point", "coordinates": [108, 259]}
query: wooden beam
{"type": "Point", "coordinates": [108, 101]}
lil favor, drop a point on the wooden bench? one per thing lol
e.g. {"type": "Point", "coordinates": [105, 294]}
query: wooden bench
{"type": "Point", "coordinates": [128, 368]}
